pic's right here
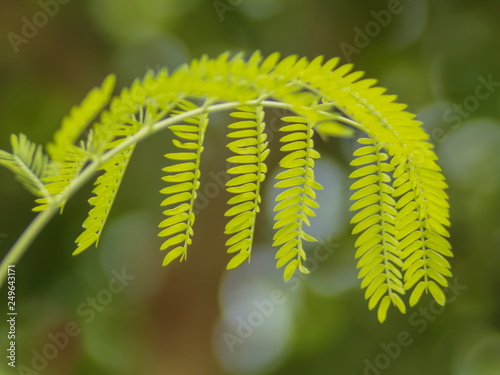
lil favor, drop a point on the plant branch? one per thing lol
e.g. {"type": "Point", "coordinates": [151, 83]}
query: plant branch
{"type": "Point", "coordinates": [43, 218]}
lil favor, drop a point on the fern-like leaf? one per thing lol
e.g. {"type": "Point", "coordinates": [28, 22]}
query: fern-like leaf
{"type": "Point", "coordinates": [107, 186]}
{"type": "Point", "coordinates": [28, 163]}
{"type": "Point", "coordinates": [380, 263]}
{"type": "Point", "coordinates": [250, 146]}
{"type": "Point", "coordinates": [295, 204]}
{"type": "Point", "coordinates": [420, 227]}
{"type": "Point", "coordinates": [419, 184]}
{"type": "Point", "coordinates": [184, 177]}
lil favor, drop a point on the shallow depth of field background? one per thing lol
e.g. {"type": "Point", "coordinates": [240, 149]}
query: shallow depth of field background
{"type": "Point", "coordinates": [195, 318]}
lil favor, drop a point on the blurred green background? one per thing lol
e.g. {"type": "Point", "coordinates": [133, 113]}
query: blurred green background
{"type": "Point", "coordinates": [441, 58]}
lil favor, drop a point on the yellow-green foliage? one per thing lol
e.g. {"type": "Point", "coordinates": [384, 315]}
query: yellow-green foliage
{"type": "Point", "coordinates": [400, 204]}
{"type": "Point", "coordinates": [184, 178]}
{"type": "Point", "coordinates": [248, 142]}
{"type": "Point", "coordinates": [296, 203]}
{"type": "Point", "coordinates": [377, 247]}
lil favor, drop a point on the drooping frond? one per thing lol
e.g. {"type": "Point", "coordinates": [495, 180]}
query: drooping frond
{"type": "Point", "coordinates": [184, 178]}
{"type": "Point", "coordinates": [250, 146]}
{"type": "Point", "coordinates": [106, 188]}
{"type": "Point", "coordinates": [28, 163]}
{"type": "Point", "coordinates": [420, 227]}
{"type": "Point", "coordinates": [419, 184]}
{"type": "Point", "coordinates": [79, 118]}
{"type": "Point", "coordinates": [380, 263]}
{"type": "Point", "coordinates": [295, 204]}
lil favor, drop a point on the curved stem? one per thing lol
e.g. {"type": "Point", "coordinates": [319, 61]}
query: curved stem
{"type": "Point", "coordinates": [42, 219]}
{"type": "Point", "coordinates": [23, 242]}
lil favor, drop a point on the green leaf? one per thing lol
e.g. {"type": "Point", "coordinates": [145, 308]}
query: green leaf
{"type": "Point", "coordinates": [180, 167]}
{"type": "Point", "coordinates": [238, 259]}
{"type": "Point", "coordinates": [176, 198]}
{"type": "Point", "coordinates": [180, 227]}
{"type": "Point", "coordinates": [417, 293]}
{"type": "Point", "coordinates": [178, 188]}
{"type": "Point", "coordinates": [182, 156]}
{"type": "Point", "coordinates": [239, 222]}
{"type": "Point", "coordinates": [173, 254]}
{"type": "Point", "coordinates": [290, 269]}
{"type": "Point", "coordinates": [398, 302]}
{"type": "Point", "coordinates": [173, 241]}
{"type": "Point", "coordinates": [436, 292]}
{"type": "Point", "coordinates": [235, 210]}
{"type": "Point", "coordinates": [242, 198]}
{"type": "Point", "coordinates": [240, 180]}
{"type": "Point", "coordinates": [382, 309]}
{"type": "Point", "coordinates": [296, 181]}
